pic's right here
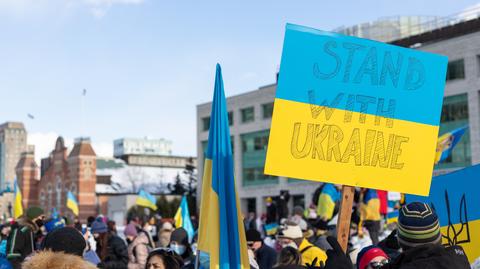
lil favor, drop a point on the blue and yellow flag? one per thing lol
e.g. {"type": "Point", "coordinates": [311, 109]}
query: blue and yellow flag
{"type": "Point", "coordinates": [221, 232]}
{"type": "Point", "coordinates": [455, 199]}
{"type": "Point", "coordinates": [326, 201]}
{"type": "Point", "coordinates": [447, 142]}
{"type": "Point", "coordinates": [370, 206]}
{"type": "Point", "coordinates": [147, 200]}
{"type": "Point", "coordinates": [72, 203]}
{"type": "Point", "coordinates": [17, 206]}
{"type": "Point", "coordinates": [182, 218]}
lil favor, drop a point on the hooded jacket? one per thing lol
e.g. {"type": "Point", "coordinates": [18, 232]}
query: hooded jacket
{"type": "Point", "coordinates": [431, 257]}
{"type": "Point", "coordinates": [138, 251]}
{"type": "Point", "coordinates": [21, 242]}
{"type": "Point", "coordinates": [56, 260]}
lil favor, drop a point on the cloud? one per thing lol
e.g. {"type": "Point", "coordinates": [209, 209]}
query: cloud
{"type": "Point", "coordinates": [23, 8]}
{"type": "Point", "coordinates": [45, 142]}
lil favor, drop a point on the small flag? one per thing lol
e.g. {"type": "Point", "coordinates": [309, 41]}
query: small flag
{"type": "Point", "coordinates": [447, 142]}
{"type": "Point", "coordinates": [182, 218]}
{"type": "Point", "coordinates": [17, 207]}
{"type": "Point", "coordinates": [72, 203]}
{"type": "Point", "coordinates": [271, 228]}
{"type": "Point", "coordinates": [145, 199]}
{"type": "Point", "coordinates": [326, 201]}
{"type": "Point", "coordinates": [221, 232]}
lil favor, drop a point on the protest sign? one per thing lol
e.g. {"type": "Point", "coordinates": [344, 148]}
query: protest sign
{"type": "Point", "coordinates": [455, 199]}
{"type": "Point", "coordinates": [355, 112]}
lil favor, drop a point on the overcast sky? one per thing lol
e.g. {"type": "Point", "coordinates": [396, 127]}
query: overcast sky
{"type": "Point", "coordinates": [146, 64]}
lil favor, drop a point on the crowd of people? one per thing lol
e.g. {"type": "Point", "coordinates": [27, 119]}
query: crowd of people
{"type": "Point", "coordinates": [277, 239]}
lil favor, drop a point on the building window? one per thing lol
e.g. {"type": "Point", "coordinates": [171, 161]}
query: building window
{"type": "Point", "coordinates": [455, 115]}
{"type": "Point", "coordinates": [206, 123]}
{"type": "Point", "coordinates": [456, 70]}
{"type": "Point", "coordinates": [230, 118]}
{"type": "Point", "coordinates": [254, 150]}
{"type": "Point", "coordinates": [267, 110]}
{"type": "Point", "coordinates": [248, 114]}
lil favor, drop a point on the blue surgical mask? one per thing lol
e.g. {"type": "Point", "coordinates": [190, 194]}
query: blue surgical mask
{"type": "Point", "coordinates": [179, 249]}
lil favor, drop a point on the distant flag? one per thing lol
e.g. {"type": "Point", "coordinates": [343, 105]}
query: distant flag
{"type": "Point", "coordinates": [72, 203]}
{"type": "Point", "coordinates": [182, 218]}
{"type": "Point", "coordinates": [271, 228]}
{"type": "Point", "coordinates": [145, 199]}
{"type": "Point", "coordinates": [30, 116]}
{"type": "Point", "coordinates": [17, 207]}
{"type": "Point", "coordinates": [447, 142]}
{"type": "Point", "coordinates": [84, 92]}
{"type": "Point", "coordinates": [221, 232]}
{"type": "Point", "coordinates": [327, 200]}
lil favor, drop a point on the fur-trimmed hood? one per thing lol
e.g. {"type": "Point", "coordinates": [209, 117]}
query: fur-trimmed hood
{"type": "Point", "coordinates": [24, 221]}
{"type": "Point", "coordinates": [56, 260]}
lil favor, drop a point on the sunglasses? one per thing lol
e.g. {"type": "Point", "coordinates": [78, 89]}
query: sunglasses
{"type": "Point", "coordinates": [380, 264]}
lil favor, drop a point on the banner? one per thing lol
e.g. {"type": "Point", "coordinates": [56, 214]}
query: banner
{"type": "Point", "coordinates": [356, 112]}
{"type": "Point", "coordinates": [455, 199]}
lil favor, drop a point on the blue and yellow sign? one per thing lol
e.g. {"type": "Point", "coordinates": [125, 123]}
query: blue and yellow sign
{"type": "Point", "coordinates": [355, 112]}
{"type": "Point", "coordinates": [455, 199]}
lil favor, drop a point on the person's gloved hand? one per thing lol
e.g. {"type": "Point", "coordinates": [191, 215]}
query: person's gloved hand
{"type": "Point", "coordinates": [390, 242]}
{"type": "Point", "coordinates": [314, 265]}
{"type": "Point", "coordinates": [337, 259]}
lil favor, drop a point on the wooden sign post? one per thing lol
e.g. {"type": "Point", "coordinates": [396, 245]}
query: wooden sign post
{"type": "Point", "coordinates": [344, 216]}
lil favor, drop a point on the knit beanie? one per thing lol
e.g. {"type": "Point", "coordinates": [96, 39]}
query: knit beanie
{"type": "Point", "coordinates": [418, 225]}
{"type": "Point", "coordinates": [366, 255]}
{"type": "Point", "coordinates": [99, 227]}
{"type": "Point", "coordinates": [253, 235]}
{"type": "Point", "coordinates": [180, 236]}
{"type": "Point", "coordinates": [130, 230]}
{"type": "Point", "coordinates": [34, 212]}
{"type": "Point", "coordinates": [66, 239]}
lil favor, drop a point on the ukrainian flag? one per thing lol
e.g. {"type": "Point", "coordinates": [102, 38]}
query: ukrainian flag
{"type": "Point", "coordinates": [447, 142]}
{"type": "Point", "coordinates": [370, 207]}
{"type": "Point", "coordinates": [221, 232]}
{"type": "Point", "coordinates": [147, 200]}
{"type": "Point", "coordinates": [182, 218]}
{"type": "Point", "coordinates": [17, 207]}
{"type": "Point", "coordinates": [72, 203]}
{"type": "Point", "coordinates": [326, 201]}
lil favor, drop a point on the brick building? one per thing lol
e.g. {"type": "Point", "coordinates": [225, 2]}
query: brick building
{"type": "Point", "coordinates": [60, 173]}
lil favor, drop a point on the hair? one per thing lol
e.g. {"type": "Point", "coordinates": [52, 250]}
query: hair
{"type": "Point", "coordinates": [102, 241]}
{"type": "Point", "coordinates": [169, 258]}
{"type": "Point", "coordinates": [289, 256]}
{"type": "Point", "coordinates": [111, 225]}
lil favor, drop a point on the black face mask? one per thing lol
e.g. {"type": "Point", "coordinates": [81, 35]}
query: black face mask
{"type": "Point", "coordinates": [39, 222]}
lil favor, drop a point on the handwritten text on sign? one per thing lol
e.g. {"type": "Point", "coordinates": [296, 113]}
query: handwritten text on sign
{"type": "Point", "coordinates": [355, 112]}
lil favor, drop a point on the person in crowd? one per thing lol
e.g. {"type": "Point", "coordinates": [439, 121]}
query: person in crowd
{"type": "Point", "coordinates": [163, 258]}
{"type": "Point", "coordinates": [289, 258]}
{"type": "Point", "coordinates": [370, 214]}
{"type": "Point", "coordinates": [282, 205]}
{"type": "Point", "coordinates": [90, 220]}
{"type": "Point", "coordinates": [22, 241]}
{"type": "Point", "coordinates": [265, 256]}
{"type": "Point", "coordinates": [328, 201]}
{"type": "Point", "coordinates": [112, 227]}
{"type": "Point", "coordinates": [4, 232]}
{"type": "Point", "coordinates": [111, 249]}
{"type": "Point", "coordinates": [179, 243]}
{"type": "Point", "coordinates": [62, 248]}
{"type": "Point", "coordinates": [251, 221]}
{"type": "Point", "coordinates": [164, 234]}
{"type": "Point", "coordinates": [371, 257]}
{"type": "Point", "coordinates": [271, 211]}
{"type": "Point", "coordinates": [77, 224]}
{"type": "Point", "coordinates": [130, 233]}
{"type": "Point", "coordinates": [141, 245]}
{"type": "Point", "coordinates": [298, 218]}
{"type": "Point", "coordinates": [291, 235]}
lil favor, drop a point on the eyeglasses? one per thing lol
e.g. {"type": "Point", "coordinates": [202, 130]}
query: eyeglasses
{"type": "Point", "coordinates": [380, 264]}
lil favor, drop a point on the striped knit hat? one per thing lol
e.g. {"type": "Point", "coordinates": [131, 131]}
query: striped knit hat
{"type": "Point", "coordinates": [418, 225]}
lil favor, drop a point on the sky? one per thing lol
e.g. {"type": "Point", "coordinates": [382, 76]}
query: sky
{"type": "Point", "coordinates": [147, 64]}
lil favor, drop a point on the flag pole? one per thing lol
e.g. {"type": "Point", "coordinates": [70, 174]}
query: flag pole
{"type": "Point", "coordinates": [344, 216]}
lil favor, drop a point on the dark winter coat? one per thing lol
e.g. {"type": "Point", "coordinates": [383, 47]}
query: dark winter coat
{"type": "Point", "coordinates": [117, 254]}
{"type": "Point", "coordinates": [271, 213]}
{"type": "Point", "coordinates": [21, 241]}
{"type": "Point", "coordinates": [266, 257]}
{"type": "Point", "coordinates": [431, 257]}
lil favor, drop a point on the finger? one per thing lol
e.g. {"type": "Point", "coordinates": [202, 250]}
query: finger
{"type": "Point", "coordinates": [334, 244]}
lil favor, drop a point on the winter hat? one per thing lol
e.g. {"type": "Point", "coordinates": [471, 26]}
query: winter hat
{"type": "Point", "coordinates": [99, 227]}
{"type": "Point", "coordinates": [366, 255]}
{"type": "Point", "coordinates": [66, 239]}
{"type": "Point", "coordinates": [418, 225]}
{"type": "Point", "coordinates": [34, 212]}
{"type": "Point", "coordinates": [291, 231]}
{"type": "Point", "coordinates": [298, 210]}
{"type": "Point", "coordinates": [130, 230]}
{"type": "Point", "coordinates": [180, 236]}
{"type": "Point", "coordinates": [253, 236]}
